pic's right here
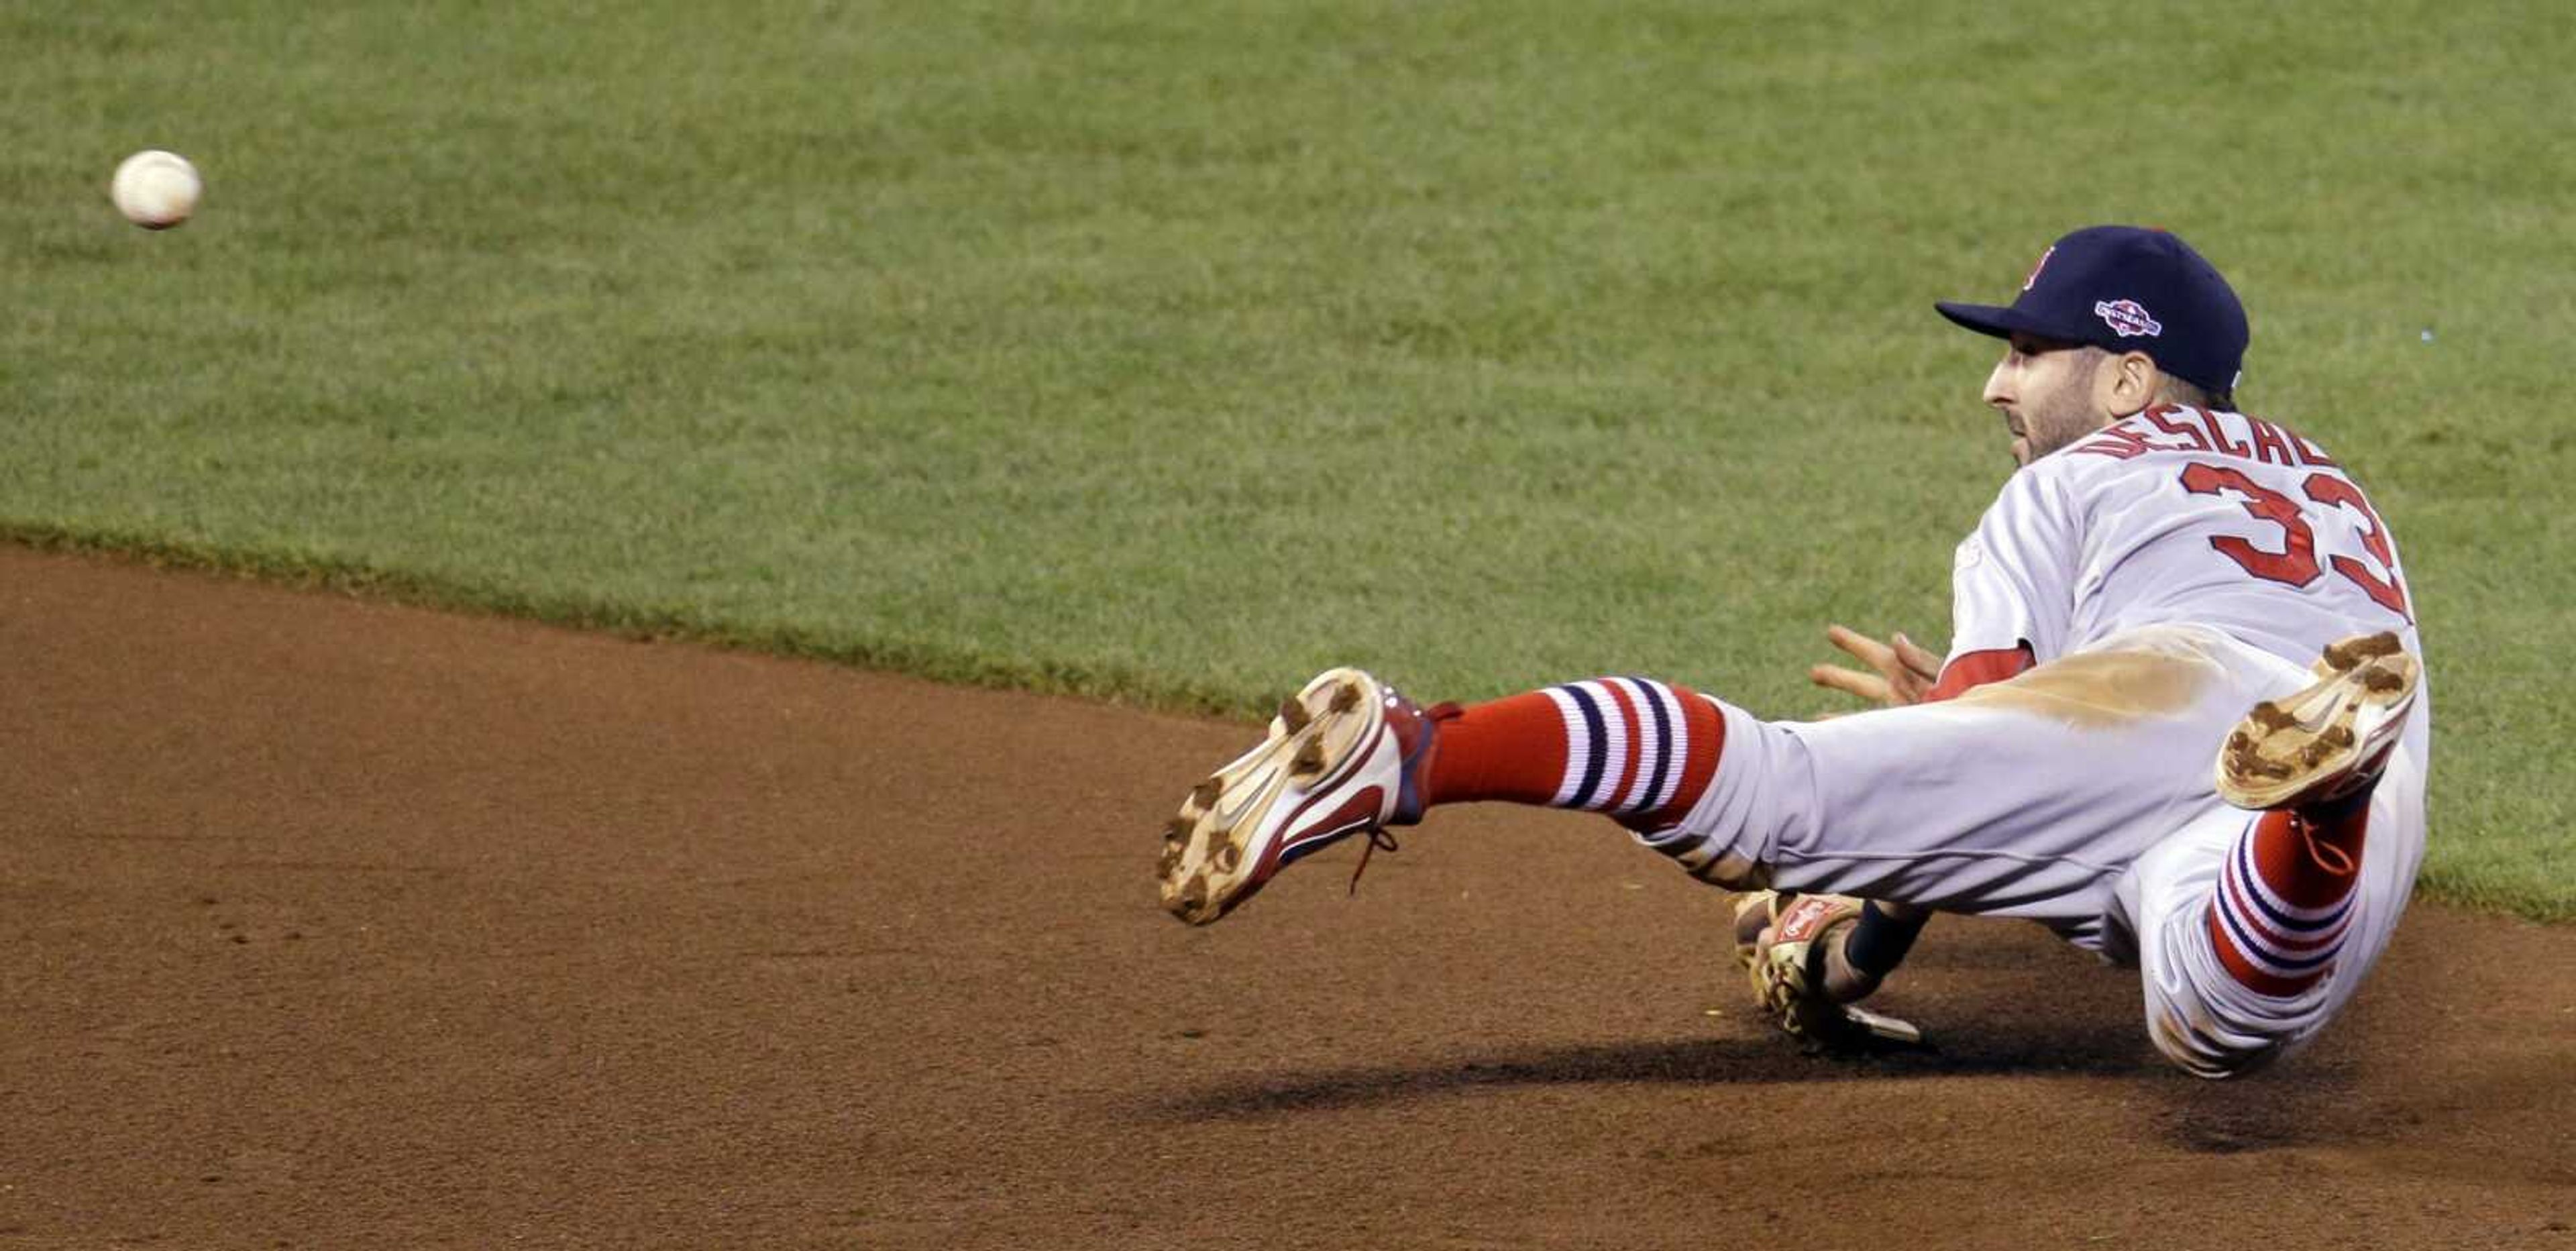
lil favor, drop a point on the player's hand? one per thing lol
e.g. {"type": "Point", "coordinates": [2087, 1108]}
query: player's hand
{"type": "Point", "coordinates": [1789, 946]}
{"type": "Point", "coordinates": [1902, 672]}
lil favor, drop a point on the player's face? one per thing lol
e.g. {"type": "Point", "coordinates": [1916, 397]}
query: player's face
{"type": "Point", "coordinates": [2044, 389]}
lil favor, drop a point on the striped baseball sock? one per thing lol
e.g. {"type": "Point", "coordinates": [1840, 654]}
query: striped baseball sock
{"type": "Point", "coordinates": [1639, 750]}
{"type": "Point", "coordinates": [2285, 898]}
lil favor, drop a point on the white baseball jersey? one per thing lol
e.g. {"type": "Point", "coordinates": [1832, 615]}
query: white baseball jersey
{"type": "Point", "coordinates": [2179, 516]}
{"type": "Point", "coordinates": [2166, 573]}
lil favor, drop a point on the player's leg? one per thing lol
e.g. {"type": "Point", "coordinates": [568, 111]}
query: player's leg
{"type": "Point", "coordinates": [2022, 799]}
{"type": "Point", "coordinates": [2255, 927]}
{"type": "Point", "coordinates": [2025, 798]}
{"type": "Point", "coordinates": [2014, 802]}
{"type": "Point", "coordinates": [1349, 755]}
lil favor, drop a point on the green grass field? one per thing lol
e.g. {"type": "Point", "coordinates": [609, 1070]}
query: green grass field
{"type": "Point", "coordinates": [1170, 352]}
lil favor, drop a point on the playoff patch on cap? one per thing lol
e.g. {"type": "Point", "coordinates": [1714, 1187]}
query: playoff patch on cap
{"type": "Point", "coordinates": [2127, 318]}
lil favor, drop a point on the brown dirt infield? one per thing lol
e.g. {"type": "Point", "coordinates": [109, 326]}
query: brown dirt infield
{"type": "Point", "coordinates": [341, 924]}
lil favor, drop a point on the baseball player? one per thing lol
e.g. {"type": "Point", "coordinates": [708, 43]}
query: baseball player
{"type": "Point", "coordinates": [2181, 723]}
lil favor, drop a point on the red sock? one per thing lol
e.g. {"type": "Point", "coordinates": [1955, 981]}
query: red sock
{"type": "Point", "coordinates": [2284, 900]}
{"type": "Point", "coordinates": [1637, 749]}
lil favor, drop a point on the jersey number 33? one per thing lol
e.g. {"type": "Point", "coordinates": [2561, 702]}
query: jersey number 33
{"type": "Point", "coordinates": [2295, 560]}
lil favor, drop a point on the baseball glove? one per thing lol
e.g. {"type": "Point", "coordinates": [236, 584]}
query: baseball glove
{"type": "Point", "coordinates": [1783, 939]}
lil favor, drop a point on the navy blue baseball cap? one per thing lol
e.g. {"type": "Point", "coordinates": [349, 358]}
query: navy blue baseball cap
{"type": "Point", "coordinates": [2126, 289]}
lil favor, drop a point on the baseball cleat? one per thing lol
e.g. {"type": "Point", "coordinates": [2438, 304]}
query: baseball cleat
{"type": "Point", "coordinates": [1339, 760]}
{"type": "Point", "coordinates": [2328, 740]}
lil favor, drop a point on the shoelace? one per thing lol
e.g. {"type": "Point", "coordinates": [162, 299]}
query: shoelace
{"type": "Point", "coordinates": [1376, 838]}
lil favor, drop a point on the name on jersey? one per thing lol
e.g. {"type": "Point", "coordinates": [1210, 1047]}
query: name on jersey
{"type": "Point", "coordinates": [2169, 428]}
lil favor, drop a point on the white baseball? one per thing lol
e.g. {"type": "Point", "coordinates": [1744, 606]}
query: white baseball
{"type": "Point", "coordinates": [156, 190]}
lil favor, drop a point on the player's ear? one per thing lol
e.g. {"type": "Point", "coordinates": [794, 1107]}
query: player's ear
{"type": "Point", "coordinates": [2126, 384]}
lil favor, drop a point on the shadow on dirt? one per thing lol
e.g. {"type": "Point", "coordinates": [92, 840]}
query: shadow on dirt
{"type": "Point", "coordinates": [2077, 1051]}
{"type": "Point", "coordinates": [2317, 1106]}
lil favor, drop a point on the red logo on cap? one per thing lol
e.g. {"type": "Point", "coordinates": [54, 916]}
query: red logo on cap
{"type": "Point", "coordinates": [2127, 318]}
{"type": "Point", "coordinates": [2033, 280]}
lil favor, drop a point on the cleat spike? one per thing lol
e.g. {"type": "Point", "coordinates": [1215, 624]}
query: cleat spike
{"type": "Point", "coordinates": [1227, 857]}
{"type": "Point", "coordinates": [1171, 860]}
{"type": "Point", "coordinates": [2381, 681]}
{"type": "Point", "coordinates": [1346, 697]}
{"type": "Point", "coordinates": [1205, 793]}
{"type": "Point", "coordinates": [1310, 758]}
{"type": "Point", "coordinates": [2338, 738]}
{"type": "Point", "coordinates": [1293, 715]}
{"type": "Point", "coordinates": [2349, 654]}
{"type": "Point", "coordinates": [2272, 716]}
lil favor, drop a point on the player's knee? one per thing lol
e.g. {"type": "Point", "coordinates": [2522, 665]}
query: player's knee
{"type": "Point", "coordinates": [2201, 1054]}
{"type": "Point", "coordinates": [1707, 859]}
{"type": "Point", "coordinates": [1733, 872]}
